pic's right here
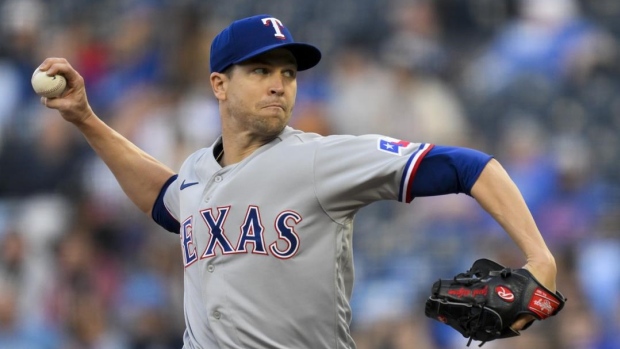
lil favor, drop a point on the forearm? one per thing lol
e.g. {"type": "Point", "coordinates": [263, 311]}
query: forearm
{"type": "Point", "coordinates": [140, 175]}
{"type": "Point", "coordinates": [500, 197]}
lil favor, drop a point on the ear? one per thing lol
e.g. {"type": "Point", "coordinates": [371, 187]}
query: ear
{"type": "Point", "coordinates": [219, 84]}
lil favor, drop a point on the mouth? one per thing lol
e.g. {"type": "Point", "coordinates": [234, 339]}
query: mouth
{"type": "Point", "coordinates": [271, 106]}
{"type": "Point", "coordinates": [274, 104]}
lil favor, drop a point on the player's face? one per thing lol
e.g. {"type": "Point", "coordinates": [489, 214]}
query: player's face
{"type": "Point", "coordinates": [260, 94]}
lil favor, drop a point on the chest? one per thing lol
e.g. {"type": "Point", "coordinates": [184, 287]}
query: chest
{"type": "Point", "coordinates": [264, 209]}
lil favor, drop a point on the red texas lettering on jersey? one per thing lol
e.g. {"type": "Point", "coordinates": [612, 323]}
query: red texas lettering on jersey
{"type": "Point", "coordinates": [251, 232]}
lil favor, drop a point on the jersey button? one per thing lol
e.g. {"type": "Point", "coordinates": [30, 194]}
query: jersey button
{"type": "Point", "coordinates": [218, 179]}
{"type": "Point", "coordinates": [217, 315]}
{"type": "Point", "coordinates": [210, 268]}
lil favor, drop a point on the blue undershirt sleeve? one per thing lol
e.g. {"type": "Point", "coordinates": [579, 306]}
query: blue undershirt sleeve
{"type": "Point", "coordinates": [160, 213]}
{"type": "Point", "coordinates": [448, 170]}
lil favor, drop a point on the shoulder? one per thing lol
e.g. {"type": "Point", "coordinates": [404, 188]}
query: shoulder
{"type": "Point", "coordinates": [194, 160]}
{"type": "Point", "coordinates": [197, 156]}
{"type": "Point", "coordinates": [290, 134]}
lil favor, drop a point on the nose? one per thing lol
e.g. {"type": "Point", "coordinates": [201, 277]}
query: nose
{"type": "Point", "coordinates": [277, 86]}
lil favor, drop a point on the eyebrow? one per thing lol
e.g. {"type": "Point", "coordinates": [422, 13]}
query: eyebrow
{"type": "Point", "coordinates": [271, 60]}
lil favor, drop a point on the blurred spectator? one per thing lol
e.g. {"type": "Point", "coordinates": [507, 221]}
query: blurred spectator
{"type": "Point", "coordinates": [15, 332]}
{"type": "Point", "coordinates": [9, 79]}
{"type": "Point", "coordinates": [597, 256]}
{"type": "Point", "coordinates": [578, 200]}
{"type": "Point", "coordinates": [524, 150]}
{"type": "Point", "coordinates": [416, 38]}
{"type": "Point", "coordinates": [422, 108]}
{"type": "Point", "coordinates": [89, 325]}
{"type": "Point", "coordinates": [21, 22]}
{"type": "Point", "coordinates": [82, 271]}
{"type": "Point", "coordinates": [46, 162]}
{"type": "Point", "coordinates": [146, 299]}
{"type": "Point", "coordinates": [311, 113]}
{"type": "Point", "coordinates": [26, 264]}
{"type": "Point", "coordinates": [136, 58]}
{"type": "Point", "coordinates": [146, 116]}
{"type": "Point", "coordinates": [549, 39]}
{"type": "Point", "coordinates": [359, 90]}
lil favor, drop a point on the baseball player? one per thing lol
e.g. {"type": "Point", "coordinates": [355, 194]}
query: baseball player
{"type": "Point", "coordinates": [265, 214]}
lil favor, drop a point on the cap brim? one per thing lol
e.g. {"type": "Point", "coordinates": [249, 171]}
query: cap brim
{"type": "Point", "coordinates": [306, 55]}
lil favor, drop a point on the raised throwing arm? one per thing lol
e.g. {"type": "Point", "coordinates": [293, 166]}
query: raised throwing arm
{"type": "Point", "coordinates": [140, 175]}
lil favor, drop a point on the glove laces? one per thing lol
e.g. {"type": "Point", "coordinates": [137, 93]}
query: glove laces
{"type": "Point", "coordinates": [468, 278]}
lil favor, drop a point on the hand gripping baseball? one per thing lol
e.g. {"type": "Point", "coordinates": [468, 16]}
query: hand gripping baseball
{"type": "Point", "coordinates": [73, 103]}
{"type": "Point", "coordinates": [484, 302]}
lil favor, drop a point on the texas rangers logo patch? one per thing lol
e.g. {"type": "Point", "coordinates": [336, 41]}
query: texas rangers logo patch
{"type": "Point", "coordinates": [392, 146]}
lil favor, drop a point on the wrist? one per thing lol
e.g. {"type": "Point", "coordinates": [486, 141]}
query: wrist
{"type": "Point", "coordinates": [544, 269]}
{"type": "Point", "coordinates": [543, 259]}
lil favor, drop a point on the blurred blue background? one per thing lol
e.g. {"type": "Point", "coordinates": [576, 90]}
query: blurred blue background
{"type": "Point", "coordinates": [535, 83]}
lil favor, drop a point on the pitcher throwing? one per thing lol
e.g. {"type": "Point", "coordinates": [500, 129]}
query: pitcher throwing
{"type": "Point", "coordinates": [265, 214]}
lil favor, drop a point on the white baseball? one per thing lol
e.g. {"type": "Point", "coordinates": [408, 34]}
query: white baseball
{"type": "Point", "coordinates": [48, 86]}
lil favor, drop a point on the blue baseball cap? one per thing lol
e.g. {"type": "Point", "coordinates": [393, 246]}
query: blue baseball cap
{"type": "Point", "coordinates": [249, 37]}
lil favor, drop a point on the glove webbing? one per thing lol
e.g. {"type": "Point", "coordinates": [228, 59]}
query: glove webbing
{"type": "Point", "coordinates": [468, 278]}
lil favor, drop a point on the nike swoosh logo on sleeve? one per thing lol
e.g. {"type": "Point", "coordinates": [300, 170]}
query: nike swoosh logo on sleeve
{"type": "Point", "coordinates": [185, 185]}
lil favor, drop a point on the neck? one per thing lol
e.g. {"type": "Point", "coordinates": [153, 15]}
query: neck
{"type": "Point", "coordinates": [237, 146]}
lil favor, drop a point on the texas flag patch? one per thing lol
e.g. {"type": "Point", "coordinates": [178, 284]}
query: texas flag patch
{"type": "Point", "coordinates": [392, 146]}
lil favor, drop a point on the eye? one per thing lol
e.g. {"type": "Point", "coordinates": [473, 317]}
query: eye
{"type": "Point", "coordinates": [261, 71]}
{"type": "Point", "coordinates": [290, 73]}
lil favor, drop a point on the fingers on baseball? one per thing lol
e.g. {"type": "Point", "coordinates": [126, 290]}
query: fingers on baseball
{"type": "Point", "coordinates": [55, 65]}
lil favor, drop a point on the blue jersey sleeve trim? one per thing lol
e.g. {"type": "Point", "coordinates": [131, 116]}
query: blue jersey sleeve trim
{"type": "Point", "coordinates": [160, 213]}
{"type": "Point", "coordinates": [410, 170]}
{"type": "Point", "coordinates": [448, 170]}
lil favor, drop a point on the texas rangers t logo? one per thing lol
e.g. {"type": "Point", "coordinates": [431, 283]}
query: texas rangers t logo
{"type": "Point", "coordinates": [391, 145]}
{"type": "Point", "coordinates": [276, 24]}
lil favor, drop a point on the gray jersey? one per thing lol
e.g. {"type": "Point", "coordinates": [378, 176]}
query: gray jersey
{"type": "Point", "coordinates": [267, 241]}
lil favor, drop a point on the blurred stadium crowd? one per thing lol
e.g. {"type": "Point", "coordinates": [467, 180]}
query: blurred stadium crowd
{"type": "Point", "coordinates": [536, 83]}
